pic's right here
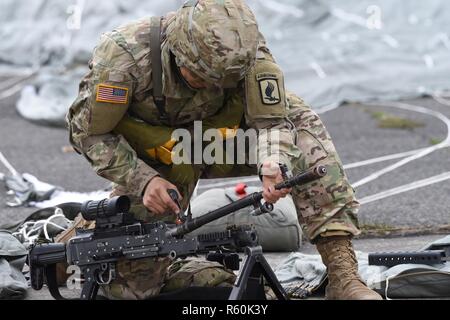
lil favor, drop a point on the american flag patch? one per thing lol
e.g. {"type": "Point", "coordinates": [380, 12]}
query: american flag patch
{"type": "Point", "coordinates": [112, 94]}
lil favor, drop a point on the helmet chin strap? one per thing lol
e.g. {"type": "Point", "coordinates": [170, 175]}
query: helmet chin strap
{"type": "Point", "coordinates": [177, 65]}
{"type": "Point", "coordinates": [231, 80]}
{"type": "Point", "coordinates": [183, 79]}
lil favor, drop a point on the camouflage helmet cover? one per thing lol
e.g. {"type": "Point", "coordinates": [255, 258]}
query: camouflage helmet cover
{"type": "Point", "coordinates": [215, 39]}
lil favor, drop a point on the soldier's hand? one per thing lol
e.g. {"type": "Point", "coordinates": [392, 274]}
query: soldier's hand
{"type": "Point", "coordinates": [271, 176]}
{"type": "Point", "coordinates": [157, 200]}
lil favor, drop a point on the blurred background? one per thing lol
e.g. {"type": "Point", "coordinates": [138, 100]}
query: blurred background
{"type": "Point", "coordinates": [331, 51]}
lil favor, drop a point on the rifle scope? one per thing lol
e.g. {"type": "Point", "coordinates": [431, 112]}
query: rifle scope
{"type": "Point", "coordinates": [91, 210]}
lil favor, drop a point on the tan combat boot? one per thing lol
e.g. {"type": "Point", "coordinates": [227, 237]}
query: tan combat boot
{"type": "Point", "coordinates": [344, 282]}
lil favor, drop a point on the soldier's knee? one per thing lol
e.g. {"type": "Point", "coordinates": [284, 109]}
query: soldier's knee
{"type": "Point", "coordinates": [213, 277]}
{"type": "Point", "coordinates": [197, 273]}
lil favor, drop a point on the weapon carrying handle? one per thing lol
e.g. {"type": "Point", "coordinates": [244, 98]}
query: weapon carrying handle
{"type": "Point", "coordinates": [174, 196]}
{"type": "Point", "coordinates": [303, 178]}
{"type": "Point", "coordinates": [285, 172]}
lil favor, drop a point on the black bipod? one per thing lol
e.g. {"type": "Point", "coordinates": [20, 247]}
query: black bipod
{"type": "Point", "coordinates": [255, 274]}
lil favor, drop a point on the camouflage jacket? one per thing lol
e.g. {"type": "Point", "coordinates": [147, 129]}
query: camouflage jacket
{"type": "Point", "coordinates": [119, 83]}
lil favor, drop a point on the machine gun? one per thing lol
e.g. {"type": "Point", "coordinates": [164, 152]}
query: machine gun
{"type": "Point", "coordinates": [435, 254]}
{"type": "Point", "coordinates": [117, 235]}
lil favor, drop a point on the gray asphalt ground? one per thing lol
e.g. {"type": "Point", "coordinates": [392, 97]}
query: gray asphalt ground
{"type": "Point", "coordinates": [38, 150]}
{"type": "Point", "coordinates": [357, 138]}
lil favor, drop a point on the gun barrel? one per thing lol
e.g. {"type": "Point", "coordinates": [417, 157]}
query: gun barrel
{"type": "Point", "coordinates": [197, 223]}
{"type": "Point", "coordinates": [252, 199]}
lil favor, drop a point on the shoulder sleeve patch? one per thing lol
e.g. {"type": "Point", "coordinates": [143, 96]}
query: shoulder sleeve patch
{"type": "Point", "coordinates": [269, 88]}
{"type": "Point", "coordinates": [265, 93]}
{"type": "Point", "coordinates": [112, 94]}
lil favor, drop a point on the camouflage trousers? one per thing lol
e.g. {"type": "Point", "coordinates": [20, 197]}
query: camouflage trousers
{"type": "Point", "coordinates": [326, 207]}
{"type": "Point", "coordinates": [143, 279]}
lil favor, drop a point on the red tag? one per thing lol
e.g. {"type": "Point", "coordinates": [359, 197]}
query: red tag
{"type": "Point", "coordinates": [240, 190]}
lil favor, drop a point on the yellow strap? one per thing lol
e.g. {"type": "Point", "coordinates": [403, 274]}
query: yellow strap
{"type": "Point", "coordinates": [163, 153]}
{"type": "Point", "coordinates": [228, 133]}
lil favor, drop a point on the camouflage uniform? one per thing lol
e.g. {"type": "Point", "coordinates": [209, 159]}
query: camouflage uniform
{"type": "Point", "coordinates": [122, 61]}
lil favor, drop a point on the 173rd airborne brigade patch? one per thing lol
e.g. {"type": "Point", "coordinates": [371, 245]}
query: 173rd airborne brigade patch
{"type": "Point", "coordinates": [112, 94]}
{"type": "Point", "coordinates": [269, 88]}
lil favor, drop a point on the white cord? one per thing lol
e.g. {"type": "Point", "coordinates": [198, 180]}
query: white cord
{"type": "Point", "coordinates": [382, 159]}
{"type": "Point", "coordinates": [405, 188]}
{"type": "Point", "coordinates": [443, 97]}
{"type": "Point", "coordinates": [58, 214]}
{"type": "Point", "coordinates": [414, 157]}
{"type": "Point", "coordinates": [8, 92]}
{"type": "Point", "coordinates": [29, 231]}
{"type": "Point", "coordinates": [8, 165]}
{"type": "Point", "coordinates": [387, 287]}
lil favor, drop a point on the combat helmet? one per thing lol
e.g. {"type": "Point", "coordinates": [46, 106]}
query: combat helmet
{"type": "Point", "coordinates": [215, 39]}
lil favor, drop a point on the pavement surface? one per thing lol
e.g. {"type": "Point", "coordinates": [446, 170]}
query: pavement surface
{"type": "Point", "coordinates": [422, 212]}
{"type": "Point", "coordinates": [357, 138]}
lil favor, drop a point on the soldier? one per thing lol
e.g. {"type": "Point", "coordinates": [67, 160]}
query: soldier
{"type": "Point", "coordinates": [206, 62]}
